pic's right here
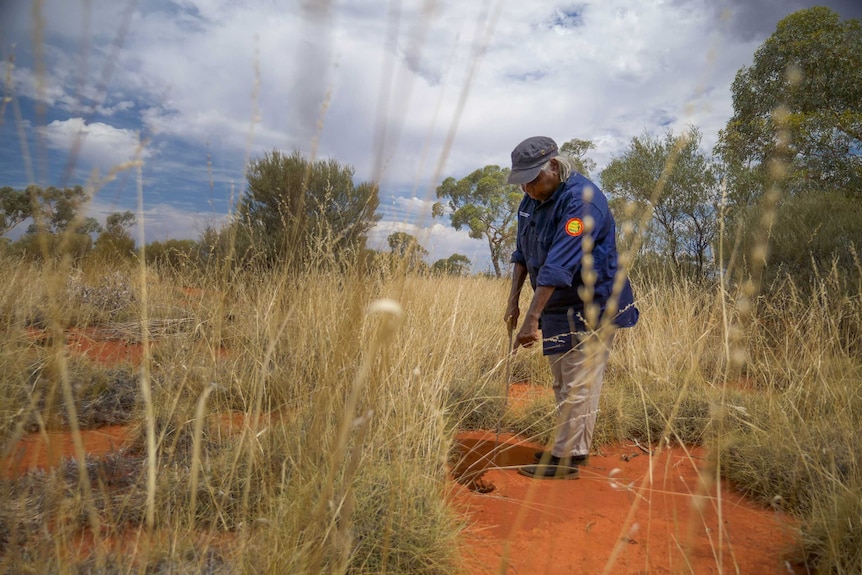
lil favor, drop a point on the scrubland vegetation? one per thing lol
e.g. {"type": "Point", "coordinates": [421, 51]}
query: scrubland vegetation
{"type": "Point", "coordinates": [350, 405]}
{"type": "Point", "coordinates": [297, 396]}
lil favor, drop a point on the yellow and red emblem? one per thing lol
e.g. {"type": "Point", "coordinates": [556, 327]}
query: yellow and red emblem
{"type": "Point", "coordinates": [575, 227]}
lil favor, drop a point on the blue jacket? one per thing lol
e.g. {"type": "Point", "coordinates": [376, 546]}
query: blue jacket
{"type": "Point", "coordinates": [549, 244]}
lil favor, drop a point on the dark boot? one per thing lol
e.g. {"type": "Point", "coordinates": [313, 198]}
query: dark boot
{"type": "Point", "coordinates": [554, 460]}
{"type": "Point", "coordinates": [556, 471]}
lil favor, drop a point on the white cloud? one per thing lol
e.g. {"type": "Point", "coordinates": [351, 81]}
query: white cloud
{"type": "Point", "coordinates": [161, 221]}
{"type": "Point", "coordinates": [95, 145]}
{"type": "Point", "coordinates": [164, 221]}
{"type": "Point", "coordinates": [441, 241]}
{"type": "Point", "coordinates": [258, 74]}
{"type": "Point", "coordinates": [380, 90]}
{"type": "Point", "coordinates": [409, 209]}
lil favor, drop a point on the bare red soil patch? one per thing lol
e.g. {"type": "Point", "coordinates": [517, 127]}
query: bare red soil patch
{"type": "Point", "coordinates": [48, 450]}
{"type": "Point", "coordinates": [629, 512]}
{"type": "Point", "coordinates": [651, 510]}
{"type": "Point", "coordinates": [96, 346]}
{"type": "Point", "coordinates": [523, 393]}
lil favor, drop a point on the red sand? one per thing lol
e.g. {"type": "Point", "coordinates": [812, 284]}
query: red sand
{"type": "Point", "coordinates": [629, 512]}
{"type": "Point", "coordinates": [614, 519]}
{"type": "Point", "coordinates": [37, 451]}
{"type": "Point", "coordinates": [90, 344]}
{"type": "Point", "coordinates": [94, 344]}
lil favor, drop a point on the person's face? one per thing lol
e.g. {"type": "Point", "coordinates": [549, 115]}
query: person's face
{"type": "Point", "coordinates": [544, 185]}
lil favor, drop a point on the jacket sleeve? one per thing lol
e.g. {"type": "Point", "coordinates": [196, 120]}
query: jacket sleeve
{"type": "Point", "coordinates": [518, 254]}
{"type": "Point", "coordinates": [566, 250]}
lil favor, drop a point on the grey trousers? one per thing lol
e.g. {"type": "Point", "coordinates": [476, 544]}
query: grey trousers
{"type": "Point", "coordinates": [578, 376]}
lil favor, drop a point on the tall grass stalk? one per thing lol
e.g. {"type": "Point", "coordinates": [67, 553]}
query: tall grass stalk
{"type": "Point", "coordinates": [146, 386]}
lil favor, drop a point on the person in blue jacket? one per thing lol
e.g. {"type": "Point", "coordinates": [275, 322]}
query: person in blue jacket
{"type": "Point", "coordinates": [566, 244]}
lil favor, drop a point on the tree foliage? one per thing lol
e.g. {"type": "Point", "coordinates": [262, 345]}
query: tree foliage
{"type": "Point", "coordinates": [806, 79]}
{"type": "Point", "coordinates": [57, 226]}
{"type": "Point", "coordinates": [295, 208]}
{"type": "Point", "coordinates": [576, 149]}
{"type": "Point", "coordinates": [454, 265]}
{"type": "Point", "coordinates": [15, 208]}
{"type": "Point", "coordinates": [674, 180]}
{"type": "Point", "coordinates": [115, 241]}
{"type": "Point", "coordinates": [407, 249]}
{"type": "Point", "coordinates": [39, 247]}
{"type": "Point", "coordinates": [118, 223]}
{"type": "Point", "coordinates": [797, 122]}
{"type": "Point", "coordinates": [811, 232]}
{"type": "Point", "coordinates": [54, 210]}
{"type": "Point", "coordinates": [50, 209]}
{"type": "Point", "coordinates": [486, 205]}
{"type": "Point", "coordinates": [175, 254]}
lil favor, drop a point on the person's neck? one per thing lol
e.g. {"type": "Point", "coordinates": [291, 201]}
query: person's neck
{"type": "Point", "coordinates": [549, 195]}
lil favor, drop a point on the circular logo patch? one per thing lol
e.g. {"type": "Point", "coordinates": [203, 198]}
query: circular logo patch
{"type": "Point", "coordinates": [574, 227]}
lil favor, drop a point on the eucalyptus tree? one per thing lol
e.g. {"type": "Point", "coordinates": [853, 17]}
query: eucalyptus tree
{"type": "Point", "coordinates": [673, 186]}
{"type": "Point", "coordinates": [54, 210]}
{"type": "Point", "coordinates": [57, 221]}
{"type": "Point", "coordinates": [577, 149]}
{"type": "Point", "coordinates": [454, 265]}
{"type": "Point", "coordinates": [406, 248]}
{"type": "Point", "coordinates": [487, 206]}
{"type": "Point", "coordinates": [797, 130]}
{"type": "Point", "coordinates": [15, 208]}
{"type": "Point", "coordinates": [798, 106]}
{"type": "Point", "coordinates": [115, 240]}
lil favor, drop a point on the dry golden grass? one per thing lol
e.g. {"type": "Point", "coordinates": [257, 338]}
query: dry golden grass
{"type": "Point", "coordinates": [350, 406]}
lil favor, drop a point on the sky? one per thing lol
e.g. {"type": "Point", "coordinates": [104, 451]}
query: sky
{"type": "Point", "coordinates": [406, 92]}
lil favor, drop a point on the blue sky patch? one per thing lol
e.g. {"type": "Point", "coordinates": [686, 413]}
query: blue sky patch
{"type": "Point", "coordinates": [212, 84]}
{"type": "Point", "coordinates": [570, 17]}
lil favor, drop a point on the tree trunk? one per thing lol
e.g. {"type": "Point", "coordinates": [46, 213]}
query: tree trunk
{"type": "Point", "coordinates": [495, 255]}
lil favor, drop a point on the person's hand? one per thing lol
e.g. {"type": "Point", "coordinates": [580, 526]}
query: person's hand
{"type": "Point", "coordinates": [512, 315]}
{"type": "Point", "coordinates": [528, 334]}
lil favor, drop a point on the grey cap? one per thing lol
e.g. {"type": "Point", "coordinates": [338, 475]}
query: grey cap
{"type": "Point", "coordinates": [529, 156]}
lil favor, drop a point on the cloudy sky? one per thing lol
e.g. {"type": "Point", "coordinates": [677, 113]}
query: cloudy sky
{"type": "Point", "coordinates": [406, 92]}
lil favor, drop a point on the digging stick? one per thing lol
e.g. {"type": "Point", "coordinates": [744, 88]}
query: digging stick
{"type": "Point", "coordinates": [510, 325]}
